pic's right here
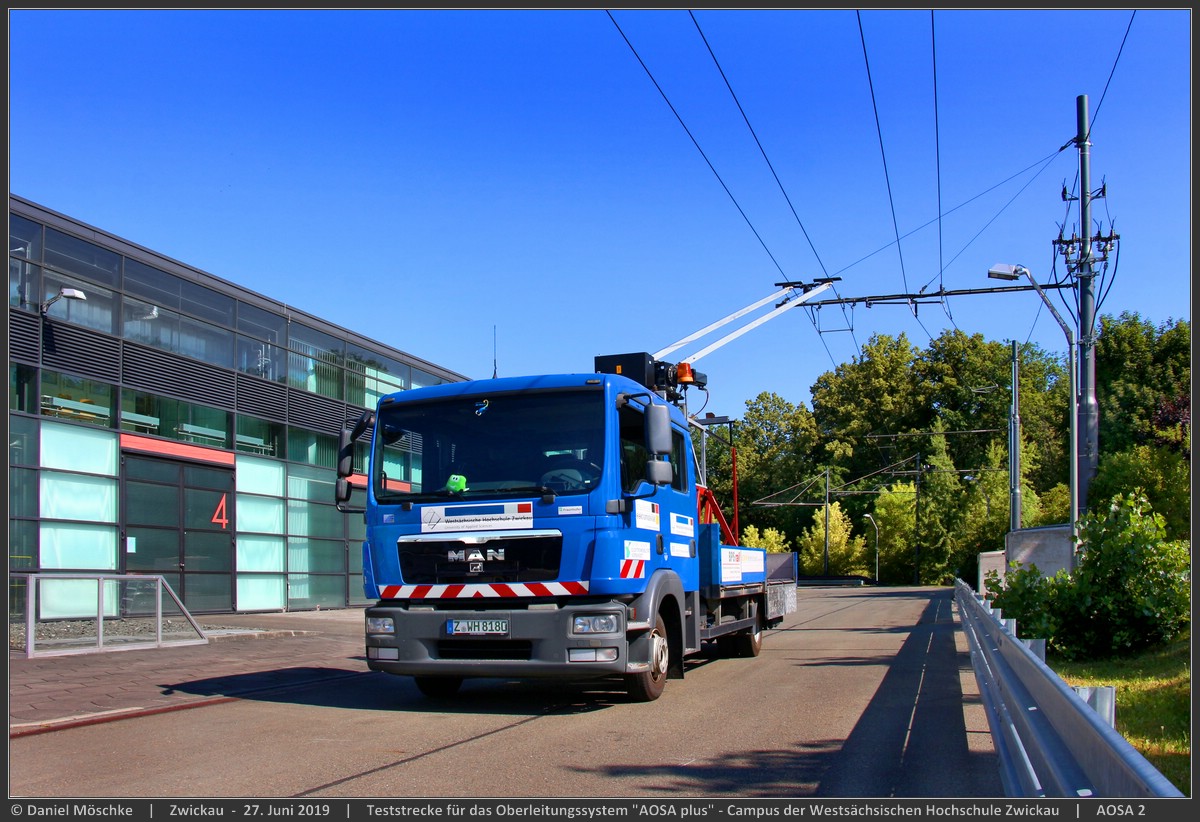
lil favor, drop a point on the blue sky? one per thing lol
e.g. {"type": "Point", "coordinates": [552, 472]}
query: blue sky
{"type": "Point", "coordinates": [425, 177]}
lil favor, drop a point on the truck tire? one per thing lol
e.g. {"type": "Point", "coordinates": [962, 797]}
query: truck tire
{"type": "Point", "coordinates": [648, 686]}
{"type": "Point", "coordinates": [748, 643]}
{"type": "Point", "coordinates": [438, 687]}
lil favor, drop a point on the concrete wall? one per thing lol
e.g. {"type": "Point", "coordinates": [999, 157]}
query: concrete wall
{"type": "Point", "coordinates": [1048, 547]}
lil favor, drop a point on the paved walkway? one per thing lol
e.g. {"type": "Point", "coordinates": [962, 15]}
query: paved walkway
{"type": "Point", "coordinates": [257, 651]}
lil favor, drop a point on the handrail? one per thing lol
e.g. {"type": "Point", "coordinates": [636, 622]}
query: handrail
{"type": "Point", "coordinates": [33, 614]}
{"type": "Point", "coordinates": [1049, 741]}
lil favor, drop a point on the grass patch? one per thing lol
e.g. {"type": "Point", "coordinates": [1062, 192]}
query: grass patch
{"type": "Point", "coordinates": [1154, 702]}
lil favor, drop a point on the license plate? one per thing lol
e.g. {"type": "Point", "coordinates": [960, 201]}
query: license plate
{"type": "Point", "coordinates": [477, 627]}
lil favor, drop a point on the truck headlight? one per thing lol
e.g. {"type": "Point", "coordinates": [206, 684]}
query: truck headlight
{"type": "Point", "coordinates": [594, 624]}
{"type": "Point", "coordinates": [380, 625]}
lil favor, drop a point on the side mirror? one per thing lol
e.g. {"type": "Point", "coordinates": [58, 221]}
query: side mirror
{"type": "Point", "coordinates": [341, 490]}
{"type": "Point", "coordinates": [658, 430]}
{"type": "Point", "coordinates": [659, 473]}
{"type": "Point", "coordinates": [346, 440]}
{"type": "Point", "coordinates": [345, 459]}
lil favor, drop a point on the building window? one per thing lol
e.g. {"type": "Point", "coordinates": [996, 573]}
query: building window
{"type": "Point", "coordinates": [97, 312]}
{"type": "Point", "coordinates": [77, 399]}
{"type": "Point", "coordinates": [257, 436]}
{"type": "Point", "coordinates": [311, 448]}
{"type": "Point", "coordinates": [179, 420]}
{"type": "Point", "coordinates": [315, 361]}
{"type": "Point", "coordinates": [87, 260]}
{"type": "Point", "coordinates": [260, 358]}
{"type": "Point", "coordinates": [370, 376]}
{"type": "Point", "coordinates": [22, 388]}
{"type": "Point", "coordinates": [171, 331]}
{"type": "Point", "coordinates": [168, 291]}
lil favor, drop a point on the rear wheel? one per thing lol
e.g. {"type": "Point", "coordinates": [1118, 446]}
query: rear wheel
{"type": "Point", "coordinates": [438, 687]}
{"type": "Point", "coordinates": [648, 686]}
{"type": "Point", "coordinates": [749, 643]}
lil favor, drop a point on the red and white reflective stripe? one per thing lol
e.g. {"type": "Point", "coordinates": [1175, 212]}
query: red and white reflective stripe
{"type": "Point", "coordinates": [483, 590]}
{"type": "Point", "coordinates": [633, 568]}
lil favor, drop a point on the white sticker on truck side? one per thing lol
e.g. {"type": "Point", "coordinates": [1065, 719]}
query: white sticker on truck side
{"type": "Point", "coordinates": [484, 516]}
{"type": "Point", "coordinates": [681, 549]}
{"type": "Point", "coordinates": [731, 564]}
{"type": "Point", "coordinates": [637, 550]}
{"type": "Point", "coordinates": [645, 515]}
{"type": "Point", "coordinates": [754, 562]}
{"type": "Point", "coordinates": [682, 526]}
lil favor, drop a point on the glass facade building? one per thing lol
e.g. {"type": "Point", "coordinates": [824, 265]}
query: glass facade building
{"type": "Point", "coordinates": [165, 421]}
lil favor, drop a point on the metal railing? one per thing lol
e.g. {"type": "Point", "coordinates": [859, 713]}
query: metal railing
{"type": "Point", "coordinates": [94, 613]}
{"type": "Point", "coordinates": [1049, 741]}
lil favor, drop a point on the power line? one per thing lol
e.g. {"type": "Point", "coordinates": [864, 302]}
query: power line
{"type": "Point", "coordinates": [778, 182]}
{"type": "Point", "coordinates": [696, 143]}
{"type": "Point", "coordinates": [879, 130]}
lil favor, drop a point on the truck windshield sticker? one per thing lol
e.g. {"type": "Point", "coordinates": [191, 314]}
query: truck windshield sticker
{"type": "Point", "coordinates": [646, 515]}
{"type": "Point", "coordinates": [493, 516]}
{"type": "Point", "coordinates": [481, 407]}
{"type": "Point", "coordinates": [682, 526]}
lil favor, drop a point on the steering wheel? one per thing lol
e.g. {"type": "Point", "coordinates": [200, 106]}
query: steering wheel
{"type": "Point", "coordinates": [571, 474]}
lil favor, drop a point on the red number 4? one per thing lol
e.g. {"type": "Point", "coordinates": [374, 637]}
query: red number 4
{"type": "Point", "coordinates": [220, 517]}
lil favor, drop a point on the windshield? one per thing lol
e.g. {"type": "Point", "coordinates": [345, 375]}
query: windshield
{"type": "Point", "coordinates": [507, 445]}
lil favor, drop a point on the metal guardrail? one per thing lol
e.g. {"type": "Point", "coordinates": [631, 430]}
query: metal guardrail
{"type": "Point", "coordinates": [1049, 741]}
{"type": "Point", "coordinates": [120, 612]}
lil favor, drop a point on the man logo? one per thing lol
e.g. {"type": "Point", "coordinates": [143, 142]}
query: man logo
{"type": "Point", "coordinates": [475, 555]}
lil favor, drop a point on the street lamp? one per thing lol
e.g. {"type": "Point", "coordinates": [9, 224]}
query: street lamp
{"type": "Point", "coordinates": [63, 293]}
{"type": "Point", "coordinates": [1002, 271]}
{"type": "Point", "coordinates": [876, 524]}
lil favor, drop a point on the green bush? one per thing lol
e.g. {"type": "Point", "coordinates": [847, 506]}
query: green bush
{"type": "Point", "coordinates": [1132, 588]}
{"type": "Point", "coordinates": [1130, 591]}
{"type": "Point", "coordinates": [1026, 596]}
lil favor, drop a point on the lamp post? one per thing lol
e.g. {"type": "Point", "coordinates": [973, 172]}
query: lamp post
{"type": "Point", "coordinates": [1014, 272]}
{"type": "Point", "coordinates": [876, 524]}
{"type": "Point", "coordinates": [63, 293]}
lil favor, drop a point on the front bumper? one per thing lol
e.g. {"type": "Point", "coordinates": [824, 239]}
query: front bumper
{"type": "Point", "coordinates": [539, 642]}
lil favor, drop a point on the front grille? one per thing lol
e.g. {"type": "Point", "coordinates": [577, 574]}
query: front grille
{"type": "Point", "coordinates": [503, 559]}
{"type": "Point", "coordinates": [515, 649]}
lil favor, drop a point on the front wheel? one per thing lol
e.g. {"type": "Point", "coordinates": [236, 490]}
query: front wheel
{"type": "Point", "coordinates": [648, 686]}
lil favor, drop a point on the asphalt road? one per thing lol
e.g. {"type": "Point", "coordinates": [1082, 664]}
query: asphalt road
{"type": "Point", "coordinates": [861, 693]}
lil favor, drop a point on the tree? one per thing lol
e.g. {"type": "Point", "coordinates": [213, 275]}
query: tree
{"type": "Point", "coordinates": [894, 512]}
{"type": "Point", "coordinates": [985, 518]}
{"type": "Point", "coordinates": [1139, 368]}
{"type": "Point", "coordinates": [770, 540]}
{"type": "Point", "coordinates": [847, 553]}
{"type": "Point", "coordinates": [1160, 474]}
{"type": "Point", "coordinates": [776, 446]}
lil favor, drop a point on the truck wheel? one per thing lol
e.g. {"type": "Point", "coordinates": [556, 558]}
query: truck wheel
{"type": "Point", "coordinates": [438, 687]}
{"type": "Point", "coordinates": [649, 685]}
{"type": "Point", "coordinates": [750, 643]}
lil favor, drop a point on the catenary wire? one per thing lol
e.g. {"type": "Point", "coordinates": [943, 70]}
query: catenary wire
{"type": "Point", "coordinates": [879, 130]}
{"type": "Point", "coordinates": [695, 142]}
{"type": "Point", "coordinates": [778, 182]}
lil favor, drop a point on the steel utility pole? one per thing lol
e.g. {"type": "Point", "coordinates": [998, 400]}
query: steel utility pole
{"type": "Point", "coordinates": [1089, 410]}
{"type": "Point", "coordinates": [1014, 448]}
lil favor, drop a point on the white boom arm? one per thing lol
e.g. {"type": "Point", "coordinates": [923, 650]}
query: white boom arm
{"type": "Point", "coordinates": [733, 335]}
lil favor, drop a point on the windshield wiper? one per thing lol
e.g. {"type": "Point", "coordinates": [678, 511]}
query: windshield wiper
{"type": "Point", "coordinates": [548, 494]}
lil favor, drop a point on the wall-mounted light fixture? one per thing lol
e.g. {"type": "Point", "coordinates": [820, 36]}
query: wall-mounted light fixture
{"type": "Point", "coordinates": [64, 292]}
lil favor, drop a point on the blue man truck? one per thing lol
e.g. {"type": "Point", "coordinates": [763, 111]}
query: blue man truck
{"type": "Point", "coordinates": [550, 526]}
